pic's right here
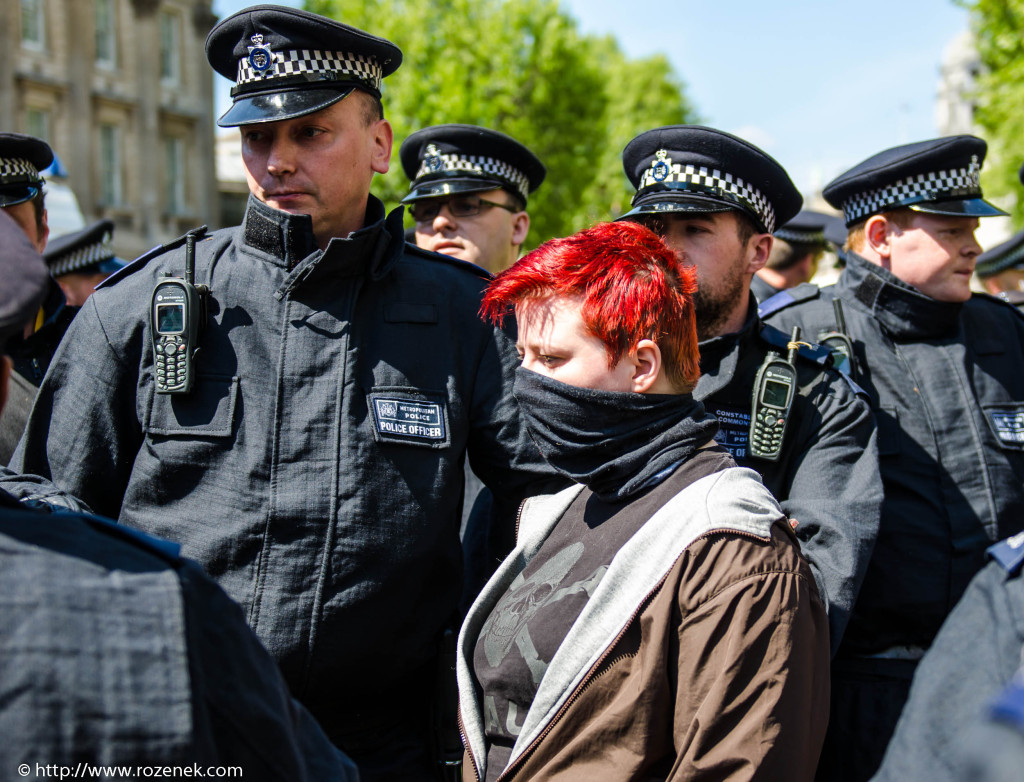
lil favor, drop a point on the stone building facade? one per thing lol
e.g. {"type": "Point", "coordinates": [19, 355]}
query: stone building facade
{"type": "Point", "coordinates": [122, 92]}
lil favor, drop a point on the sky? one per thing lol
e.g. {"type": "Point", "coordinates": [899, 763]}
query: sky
{"type": "Point", "coordinates": [818, 85]}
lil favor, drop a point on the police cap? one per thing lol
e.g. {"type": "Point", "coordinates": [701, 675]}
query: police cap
{"type": "Point", "coordinates": [699, 170]}
{"type": "Point", "coordinates": [447, 159]}
{"type": "Point", "coordinates": [287, 63]}
{"type": "Point", "coordinates": [87, 250]}
{"type": "Point", "coordinates": [808, 227]}
{"type": "Point", "coordinates": [1008, 255]}
{"type": "Point", "coordinates": [939, 176]}
{"type": "Point", "coordinates": [22, 158]}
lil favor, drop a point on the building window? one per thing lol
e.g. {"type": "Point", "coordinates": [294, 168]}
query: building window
{"type": "Point", "coordinates": [110, 165]}
{"type": "Point", "coordinates": [106, 33]}
{"type": "Point", "coordinates": [37, 123]}
{"type": "Point", "coordinates": [170, 48]}
{"type": "Point", "coordinates": [174, 158]}
{"type": "Point", "coordinates": [33, 24]}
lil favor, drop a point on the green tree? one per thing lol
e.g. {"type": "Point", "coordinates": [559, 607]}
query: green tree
{"type": "Point", "coordinates": [999, 98]}
{"type": "Point", "coordinates": [521, 67]}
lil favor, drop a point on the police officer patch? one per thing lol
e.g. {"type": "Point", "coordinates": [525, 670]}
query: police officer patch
{"type": "Point", "coordinates": [409, 416]}
{"type": "Point", "coordinates": [1007, 422]}
{"type": "Point", "coordinates": [733, 429]}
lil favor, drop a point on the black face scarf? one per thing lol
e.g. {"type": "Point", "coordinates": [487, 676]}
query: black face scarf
{"type": "Point", "coordinates": [616, 443]}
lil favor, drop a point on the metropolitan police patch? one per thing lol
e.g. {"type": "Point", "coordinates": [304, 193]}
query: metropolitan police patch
{"type": "Point", "coordinates": [410, 417]}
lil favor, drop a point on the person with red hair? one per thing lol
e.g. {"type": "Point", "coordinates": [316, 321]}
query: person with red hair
{"type": "Point", "coordinates": [655, 620]}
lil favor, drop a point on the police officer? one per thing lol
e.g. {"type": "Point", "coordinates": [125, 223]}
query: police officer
{"type": "Point", "coordinates": [22, 159]}
{"type": "Point", "coordinates": [81, 260]}
{"type": "Point", "coordinates": [315, 468]}
{"type": "Point", "coordinates": [796, 251]}
{"type": "Point", "coordinates": [968, 677]}
{"type": "Point", "coordinates": [716, 199]}
{"type": "Point", "coordinates": [118, 651]}
{"type": "Point", "coordinates": [468, 193]}
{"type": "Point", "coordinates": [1001, 270]}
{"type": "Point", "coordinates": [942, 368]}
{"type": "Point", "coordinates": [78, 262]}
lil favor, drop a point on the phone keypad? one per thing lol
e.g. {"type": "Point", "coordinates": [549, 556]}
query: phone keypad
{"type": "Point", "coordinates": [766, 434]}
{"type": "Point", "coordinates": [171, 363]}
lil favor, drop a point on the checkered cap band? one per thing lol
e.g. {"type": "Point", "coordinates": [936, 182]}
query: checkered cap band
{"type": "Point", "coordinates": [16, 169]}
{"type": "Point", "coordinates": [800, 236]}
{"type": "Point", "coordinates": [81, 257]}
{"type": "Point", "coordinates": [931, 186]}
{"type": "Point", "coordinates": [300, 62]}
{"type": "Point", "coordinates": [1010, 260]}
{"type": "Point", "coordinates": [700, 179]}
{"type": "Point", "coordinates": [476, 165]}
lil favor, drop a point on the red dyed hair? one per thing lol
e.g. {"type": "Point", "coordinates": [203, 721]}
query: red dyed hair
{"type": "Point", "coordinates": [632, 287]}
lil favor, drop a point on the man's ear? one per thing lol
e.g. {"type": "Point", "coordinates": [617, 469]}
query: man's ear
{"type": "Point", "coordinates": [758, 249]}
{"type": "Point", "coordinates": [520, 228]}
{"type": "Point", "coordinates": [877, 236]}
{"type": "Point", "coordinates": [44, 231]}
{"type": "Point", "coordinates": [383, 139]}
{"type": "Point", "coordinates": [647, 366]}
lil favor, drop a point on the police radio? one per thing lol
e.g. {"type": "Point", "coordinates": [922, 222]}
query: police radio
{"type": "Point", "coordinates": [774, 390]}
{"type": "Point", "coordinates": [176, 318]}
{"type": "Point", "coordinates": [839, 343]}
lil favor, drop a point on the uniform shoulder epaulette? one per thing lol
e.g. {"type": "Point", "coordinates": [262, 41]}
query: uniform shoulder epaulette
{"type": "Point", "coordinates": [149, 255]}
{"type": "Point", "coordinates": [998, 300]}
{"type": "Point", "coordinates": [1009, 553]}
{"type": "Point", "coordinates": [805, 291]}
{"type": "Point", "coordinates": [479, 271]}
{"type": "Point", "coordinates": [811, 351]}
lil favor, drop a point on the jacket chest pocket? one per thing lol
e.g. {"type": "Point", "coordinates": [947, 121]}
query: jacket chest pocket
{"type": "Point", "coordinates": [209, 411]}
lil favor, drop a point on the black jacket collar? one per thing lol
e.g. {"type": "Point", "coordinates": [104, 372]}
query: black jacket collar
{"type": "Point", "coordinates": [902, 310]}
{"type": "Point", "coordinates": [287, 240]}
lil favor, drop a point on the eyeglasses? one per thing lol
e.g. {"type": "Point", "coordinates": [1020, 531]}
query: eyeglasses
{"type": "Point", "coordinates": [458, 206]}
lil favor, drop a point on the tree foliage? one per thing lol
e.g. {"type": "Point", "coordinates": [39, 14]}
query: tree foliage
{"type": "Point", "coordinates": [998, 26]}
{"type": "Point", "coordinates": [521, 67]}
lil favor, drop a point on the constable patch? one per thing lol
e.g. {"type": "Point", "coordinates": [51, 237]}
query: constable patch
{"type": "Point", "coordinates": [1007, 422]}
{"type": "Point", "coordinates": [733, 430]}
{"type": "Point", "coordinates": [409, 416]}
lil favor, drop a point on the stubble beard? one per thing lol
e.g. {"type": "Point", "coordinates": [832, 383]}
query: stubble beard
{"type": "Point", "coordinates": [714, 304]}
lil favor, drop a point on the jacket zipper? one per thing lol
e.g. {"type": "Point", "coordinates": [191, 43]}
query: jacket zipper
{"type": "Point", "coordinates": [596, 669]}
{"type": "Point", "coordinates": [519, 517]}
{"type": "Point", "coordinates": [465, 743]}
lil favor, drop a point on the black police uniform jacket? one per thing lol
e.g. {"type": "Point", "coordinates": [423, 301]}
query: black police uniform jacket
{"type": "Point", "coordinates": [826, 477]}
{"type": "Point", "coordinates": [316, 469]}
{"type": "Point", "coordinates": [947, 389]}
